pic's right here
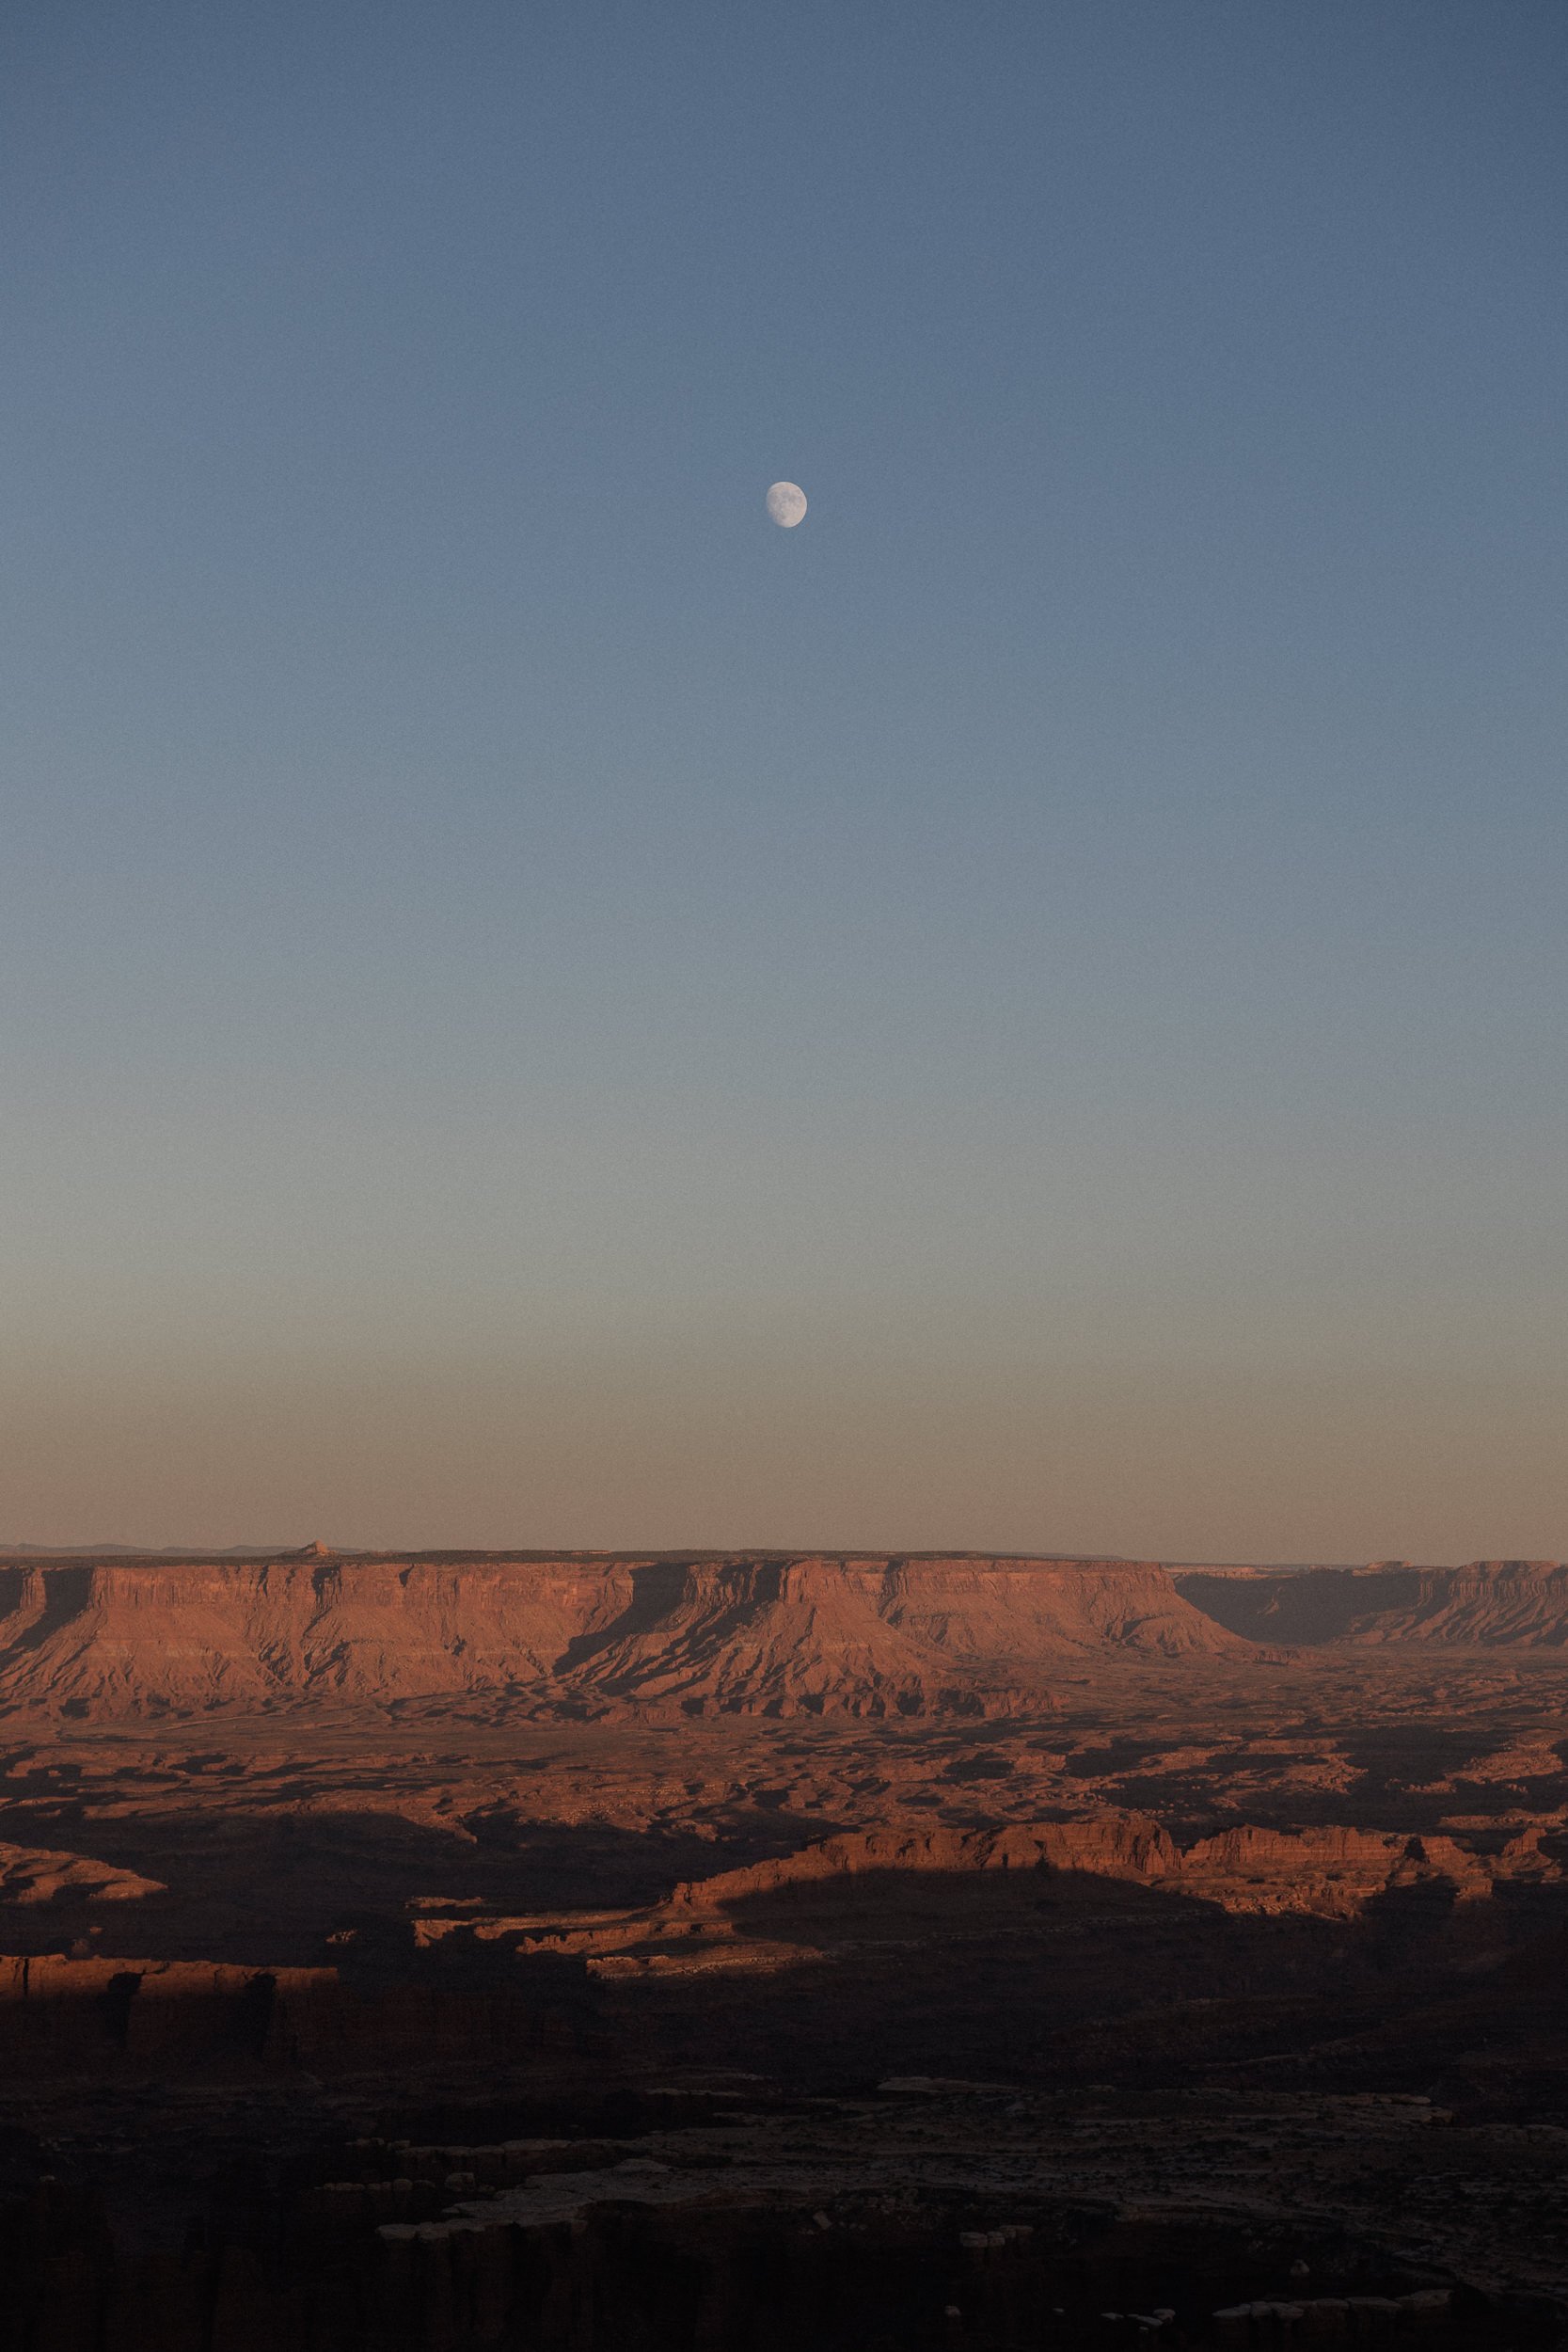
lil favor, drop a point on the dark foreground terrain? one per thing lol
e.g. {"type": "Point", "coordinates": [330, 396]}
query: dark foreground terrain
{"type": "Point", "coordinates": [693, 1955]}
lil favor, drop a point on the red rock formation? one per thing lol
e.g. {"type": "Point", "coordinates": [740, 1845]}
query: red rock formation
{"type": "Point", "coordinates": [1119, 1845]}
{"type": "Point", "coordinates": [591, 1634]}
{"type": "Point", "coordinates": [1330, 1872]}
{"type": "Point", "coordinates": [36, 1874]}
{"type": "Point", "coordinates": [695, 1634]}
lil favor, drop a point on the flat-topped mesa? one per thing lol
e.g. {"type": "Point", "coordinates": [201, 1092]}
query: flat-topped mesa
{"type": "Point", "coordinates": [695, 1633]}
{"type": "Point", "coordinates": [596, 1634]}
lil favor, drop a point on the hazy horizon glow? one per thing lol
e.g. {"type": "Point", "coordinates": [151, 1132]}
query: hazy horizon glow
{"type": "Point", "coordinates": [1029, 1012]}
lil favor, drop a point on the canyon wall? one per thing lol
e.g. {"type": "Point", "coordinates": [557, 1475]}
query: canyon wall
{"type": "Point", "coordinates": [1327, 1873]}
{"type": "Point", "coordinates": [579, 1636]}
{"type": "Point", "coordinates": [583, 1636]}
{"type": "Point", "coordinates": [1488, 1603]}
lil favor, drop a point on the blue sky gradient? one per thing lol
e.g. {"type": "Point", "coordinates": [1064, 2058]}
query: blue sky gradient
{"type": "Point", "coordinates": [1030, 1012]}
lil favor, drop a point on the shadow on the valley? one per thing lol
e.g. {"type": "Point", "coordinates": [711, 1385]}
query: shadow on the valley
{"type": "Point", "coordinates": [271, 1890]}
{"type": "Point", "coordinates": [1067, 1979]}
{"type": "Point", "coordinates": [1085, 1995]}
{"type": "Point", "coordinates": [1041, 1975]}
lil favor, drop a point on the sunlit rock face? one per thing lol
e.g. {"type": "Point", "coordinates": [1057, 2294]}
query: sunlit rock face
{"type": "Point", "coordinates": [750, 1634]}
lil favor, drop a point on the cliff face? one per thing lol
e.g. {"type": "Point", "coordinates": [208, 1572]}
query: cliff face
{"type": "Point", "coordinates": [593, 1635]}
{"type": "Point", "coordinates": [749, 1634]}
{"type": "Point", "coordinates": [1487, 1604]}
{"type": "Point", "coordinates": [1325, 1872]}
{"type": "Point", "coordinates": [993, 1608]}
{"type": "Point", "coordinates": [795, 1909]}
{"type": "Point", "coordinates": [118, 1634]}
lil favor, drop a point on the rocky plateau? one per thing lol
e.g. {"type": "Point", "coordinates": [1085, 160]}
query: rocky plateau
{"type": "Point", "coordinates": [701, 1952]}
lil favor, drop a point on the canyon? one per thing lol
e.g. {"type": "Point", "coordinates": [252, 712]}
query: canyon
{"type": "Point", "coordinates": [589, 1634]}
{"type": "Point", "coordinates": [698, 1950]}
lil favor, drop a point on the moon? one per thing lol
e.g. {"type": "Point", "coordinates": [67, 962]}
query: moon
{"type": "Point", "coordinates": [787, 505]}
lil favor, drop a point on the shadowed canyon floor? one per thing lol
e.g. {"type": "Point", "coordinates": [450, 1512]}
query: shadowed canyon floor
{"type": "Point", "coordinates": [716, 1952]}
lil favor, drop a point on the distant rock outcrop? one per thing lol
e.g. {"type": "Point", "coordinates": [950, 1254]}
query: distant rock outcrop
{"type": "Point", "coordinates": [1522, 1603]}
{"type": "Point", "coordinates": [767, 1915]}
{"type": "Point", "coordinates": [588, 1635]}
{"type": "Point", "coordinates": [1327, 1873]}
{"type": "Point", "coordinates": [36, 1874]}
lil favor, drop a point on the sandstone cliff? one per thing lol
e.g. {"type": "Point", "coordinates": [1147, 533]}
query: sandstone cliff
{"type": "Point", "coordinates": [590, 1635]}
{"type": "Point", "coordinates": [1327, 1873]}
{"type": "Point", "coordinates": [582, 1635]}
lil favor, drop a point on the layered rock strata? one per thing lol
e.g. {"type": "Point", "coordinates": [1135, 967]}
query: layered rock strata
{"type": "Point", "coordinates": [584, 1636]}
{"type": "Point", "coordinates": [588, 1636]}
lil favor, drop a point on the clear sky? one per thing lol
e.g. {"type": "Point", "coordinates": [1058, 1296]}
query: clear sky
{"type": "Point", "coordinates": [1030, 1012]}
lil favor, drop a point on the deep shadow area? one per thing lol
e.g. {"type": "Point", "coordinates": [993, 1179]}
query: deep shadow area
{"type": "Point", "coordinates": [436, 2040]}
{"type": "Point", "coordinates": [1042, 1977]}
{"type": "Point", "coordinates": [1306, 1606]}
{"type": "Point", "coordinates": [272, 1888]}
{"type": "Point", "coordinates": [1033, 2096]}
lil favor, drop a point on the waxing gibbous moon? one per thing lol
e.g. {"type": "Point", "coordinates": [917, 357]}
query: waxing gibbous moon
{"type": "Point", "coordinates": [787, 505]}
